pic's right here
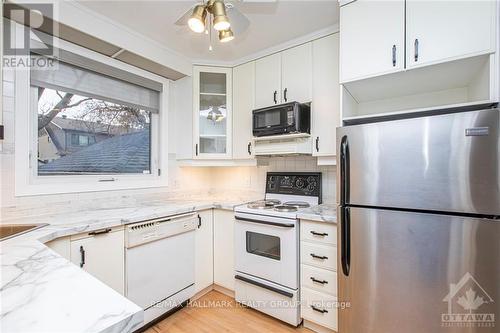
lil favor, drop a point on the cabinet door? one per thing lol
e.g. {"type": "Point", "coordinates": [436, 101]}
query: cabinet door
{"type": "Point", "coordinates": [444, 30]}
{"type": "Point", "coordinates": [326, 91]}
{"type": "Point", "coordinates": [61, 246]}
{"type": "Point", "coordinates": [268, 81]}
{"type": "Point", "coordinates": [243, 104]}
{"type": "Point", "coordinates": [224, 248]}
{"type": "Point", "coordinates": [204, 259]}
{"type": "Point", "coordinates": [212, 112]}
{"type": "Point", "coordinates": [296, 73]}
{"type": "Point", "coordinates": [371, 38]}
{"type": "Point", "coordinates": [102, 256]}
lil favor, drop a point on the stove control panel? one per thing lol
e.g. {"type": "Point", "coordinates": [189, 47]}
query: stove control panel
{"type": "Point", "coordinates": [296, 183]}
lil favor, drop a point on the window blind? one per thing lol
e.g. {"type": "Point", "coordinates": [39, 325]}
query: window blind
{"type": "Point", "coordinates": [85, 82]}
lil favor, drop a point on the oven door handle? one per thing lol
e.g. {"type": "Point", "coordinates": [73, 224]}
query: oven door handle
{"type": "Point", "coordinates": [262, 285]}
{"type": "Point", "coordinates": [275, 224]}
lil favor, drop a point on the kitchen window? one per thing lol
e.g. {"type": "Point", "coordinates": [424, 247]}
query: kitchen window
{"type": "Point", "coordinates": [95, 124]}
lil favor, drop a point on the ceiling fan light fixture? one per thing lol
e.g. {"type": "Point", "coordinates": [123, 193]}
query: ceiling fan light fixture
{"type": "Point", "coordinates": [197, 20]}
{"type": "Point", "coordinates": [221, 22]}
{"type": "Point", "coordinates": [226, 36]}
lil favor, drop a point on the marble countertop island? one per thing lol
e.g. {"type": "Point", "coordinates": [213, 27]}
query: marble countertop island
{"type": "Point", "coordinates": [321, 213]}
{"type": "Point", "coordinates": [41, 291]}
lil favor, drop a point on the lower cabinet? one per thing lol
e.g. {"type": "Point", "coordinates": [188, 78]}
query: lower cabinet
{"type": "Point", "coordinates": [102, 254]}
{"type": "Point", "coordinates": [318, 270]}
{"type": "Point", "coordinates": [204, 251]}
{"type": "Point", "coordinates": [224, 248]}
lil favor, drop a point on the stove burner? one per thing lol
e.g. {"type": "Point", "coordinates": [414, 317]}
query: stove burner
{"type": "Point", "coordinates": [285, 208]}
{"type": "Point", "coordinates": [297, 204]}
{"type": "Point", "coordinates": [263, 204]}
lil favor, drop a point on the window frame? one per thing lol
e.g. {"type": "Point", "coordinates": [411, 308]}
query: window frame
{"type": "Point", "coordinates": [27, 180]}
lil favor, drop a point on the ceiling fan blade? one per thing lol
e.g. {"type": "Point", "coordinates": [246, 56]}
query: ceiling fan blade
{"type": "Point", "coordinates": [183, 19]}
{"type": "Point", "coordinates": [239, 22]}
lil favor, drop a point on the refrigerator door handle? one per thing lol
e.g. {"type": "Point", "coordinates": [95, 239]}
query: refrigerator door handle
{"type": "Point", "coordinates": [344, 171]}
{"type": "Point", "coordinates": [345, 254]}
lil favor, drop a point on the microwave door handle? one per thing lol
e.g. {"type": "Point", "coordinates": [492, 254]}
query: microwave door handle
{"type": "Point", "coordinates": [275, 97]}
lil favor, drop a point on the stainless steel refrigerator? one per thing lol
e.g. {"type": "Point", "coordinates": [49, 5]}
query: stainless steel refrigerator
{"type": "Point", "coordinates": [419, 225]}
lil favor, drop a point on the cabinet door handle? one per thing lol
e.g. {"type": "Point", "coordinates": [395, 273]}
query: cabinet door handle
{"type": "Point", "coordinates": [100, 232]}
{"type": "Point", "coordinates": [318, 257]}
{"type": "Point", "coordinates": [249, 148]}
{"type": "Point", "coordinates": [284, 94]}
{"type": "Point", "coordinates": [199, 221]}
{"type": "Point", "coordinates": [196, 149]}
{"type": "Point", "coordinates": [416, 49]}
{"type": "Point", "coordinates": [322, 234]}
{"type": "Point", "coordinates": [275, 97]}
{"type": "Point", "coordinates": [317, 143]}
{"type": "Point", "coordinates": [319, 281]}
{"type": "Point", "coordinates": [318, 310]}
{"type": "Point", "coordinates": [82, 256]}
{"type": "Point", "coordinates": [394, 56]}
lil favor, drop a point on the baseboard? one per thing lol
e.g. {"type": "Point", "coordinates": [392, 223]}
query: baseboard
{"type": "Point", "coordinates": [202, 293]}
{"type": "Point", "coordinates": [316, 328]}
{"type": "Point", "coordinates": [223, 290]}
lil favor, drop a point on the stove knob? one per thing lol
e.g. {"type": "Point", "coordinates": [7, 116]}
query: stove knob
{"type": "Point", "coordinates": [311, 187]}
{"type": "Point", "coordinates": [300, 183]}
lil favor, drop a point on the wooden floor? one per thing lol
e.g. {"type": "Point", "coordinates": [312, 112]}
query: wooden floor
{"type": "Point", "coordinates": [216, 312]}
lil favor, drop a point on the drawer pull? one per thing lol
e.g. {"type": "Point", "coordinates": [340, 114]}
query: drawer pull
{"type": "Point", "coordinates": [319, 281]}
{"type": "Point", "coordinates": [318, 310]}
{"type": "Point", "coordinates": [322, 234]}
{"type": "Point", "coordinates": [318, 257]}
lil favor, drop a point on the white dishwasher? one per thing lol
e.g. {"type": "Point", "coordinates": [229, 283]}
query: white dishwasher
{"type": "Point", "coordinates": [159, 261]}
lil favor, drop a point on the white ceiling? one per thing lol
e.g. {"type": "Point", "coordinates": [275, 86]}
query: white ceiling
{"type": "Point", "coordinates": [271, 24]}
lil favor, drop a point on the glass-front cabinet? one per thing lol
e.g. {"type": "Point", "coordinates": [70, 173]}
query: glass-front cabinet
{"type": "Point", "coordinates": [212, 112]}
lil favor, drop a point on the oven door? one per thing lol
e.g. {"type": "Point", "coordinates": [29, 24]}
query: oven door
{"type": "Point", "coordinates": [274, 120]}
{"type": "Point", "coordinates": [267, 247]}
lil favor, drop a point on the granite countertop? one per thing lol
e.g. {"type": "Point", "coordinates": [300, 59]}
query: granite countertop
{"type": "Point", "coordinates": [43, 292]}
{"type": "Point", "coordinates": [320, 213]}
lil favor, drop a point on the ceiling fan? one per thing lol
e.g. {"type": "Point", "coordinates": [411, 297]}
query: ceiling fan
{"type": "Point", "coordinates": [222, 15]}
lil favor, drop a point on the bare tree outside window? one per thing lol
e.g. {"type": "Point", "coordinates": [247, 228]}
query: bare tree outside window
{"type": "Point", "coordinates": [83, 135]}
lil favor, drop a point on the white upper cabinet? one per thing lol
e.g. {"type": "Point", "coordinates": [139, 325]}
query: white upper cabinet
{"type": "Point", "coordinates": [296, 73]}
{"type": "Point", "coordinates": [243, 104]}
{"type": "Point", "coordinates": [325, 94]}
{"type": "Point", "coordinates": [268, 81]}
{"type": "Point", "coordinates": [212, 125]}
{"type": "Point", "coordinates": [372, 38]}
{"type": "Point", "coordinates": [445, 30]}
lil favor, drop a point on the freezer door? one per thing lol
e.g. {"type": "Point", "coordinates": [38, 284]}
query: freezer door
{"type": "Point", "coordinates": [414, 272]}
{"type": "Point", "coordinates": [443, 163]}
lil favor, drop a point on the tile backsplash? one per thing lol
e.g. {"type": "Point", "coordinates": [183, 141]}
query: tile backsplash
{"type": "Point", "coordinates": [254, 178]}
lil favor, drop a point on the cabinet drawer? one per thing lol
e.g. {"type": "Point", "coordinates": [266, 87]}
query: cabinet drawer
{"type": "Point", "coordinates": [318, 232]}
{"type": "Point", "coordinates": [318, 255]}
{"type": "Point", "coordinates": [319, 308]}
{"type": "Point", "coordinates": [319, 279]}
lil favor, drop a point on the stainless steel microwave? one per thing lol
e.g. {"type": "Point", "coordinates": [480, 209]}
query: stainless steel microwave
{"type": "Point", "coordinates": [286, 118]}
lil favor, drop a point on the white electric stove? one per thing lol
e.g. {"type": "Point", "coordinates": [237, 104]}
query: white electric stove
{"type": "Point", "coordinates": [267, 244]}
